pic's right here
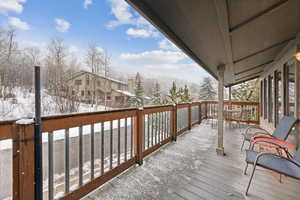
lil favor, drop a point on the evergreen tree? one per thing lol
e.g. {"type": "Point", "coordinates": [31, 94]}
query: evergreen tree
{"type": "Point", "coordinates": [185, 96]}
{"type": "Point", "coordinates": [207, 91]}
{"type": "Point", "coordinates": [157, 94]}
{"type": "Point", "coordinates": [138, 99]}
{"type": "Point", "coordinates": [173, 94]}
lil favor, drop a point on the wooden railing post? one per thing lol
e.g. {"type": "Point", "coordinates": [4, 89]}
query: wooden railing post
{"type": "Point", "coordinates": [139, 136]}
{"type": "Point", "coordinates": [200, 114]}
{"type": "Point", "coordinates": [190, 116]}
{"type": "Point", "coordinates": [174, 123]}
{"type": "Point", "coordinates": [23, 160]}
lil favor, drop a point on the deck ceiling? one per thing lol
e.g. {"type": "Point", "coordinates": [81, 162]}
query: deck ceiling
{"type": "Point", "coordinates": [245, 35]}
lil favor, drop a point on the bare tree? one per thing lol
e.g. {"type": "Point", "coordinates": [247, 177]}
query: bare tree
{"type": "Point", "coordinates": [56, 65]}
{"type": "Point", "coordinates": [106, 59]}
{"type": "Point", "coordinates": [94, 61]}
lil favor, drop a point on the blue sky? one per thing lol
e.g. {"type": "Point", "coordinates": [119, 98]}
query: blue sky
{"type": "Point", "coordinates": [133, 43]}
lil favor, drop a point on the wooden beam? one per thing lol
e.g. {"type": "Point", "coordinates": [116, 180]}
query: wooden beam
{"type": "Point", "coordinates": [220, 148]}
{"type": "Point", "coordinates": [253, 68]}
{"type": "Point", "coordinates": [263, 50]}
{"type": "Point", "coordinates": [258, 15]}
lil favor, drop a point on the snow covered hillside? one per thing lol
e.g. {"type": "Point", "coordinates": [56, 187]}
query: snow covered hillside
{"type": "Point", "coordinates": [22, 106]}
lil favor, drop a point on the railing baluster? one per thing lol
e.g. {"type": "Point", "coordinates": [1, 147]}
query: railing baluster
{"type": "Point", "coordinates": [144, 133]}
{"type": "Point", "coordinates": [159, 127]}
{"type": "Point", "coordinates": [156, 127]}
{"type": "Point", "coordinates": [102, 148]}
{"type": "Point", "coordinates": [148, 130]}
{"type": "Point", "coordinates": [111, 146]}
{"type": "Point", "coordinates": [152, 125]}
{"type": "Point", "coordinates": [67, 162]}
{"type": "Point", "coordinates": [119, 142]}
{"type": "Point", "coordinates": [50, 167]}
{"type": "Point", "coordinates": [80, 173]}
{"type": "Point", "coordinates": [131, 137]}
{"type": "Point", "coordinates": [92, 151]}
{"type": "Point", "coordinates": [125, 145]}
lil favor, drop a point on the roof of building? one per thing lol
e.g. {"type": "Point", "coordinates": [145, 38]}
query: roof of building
{"type": "Point", "coordinates": [81, 72]}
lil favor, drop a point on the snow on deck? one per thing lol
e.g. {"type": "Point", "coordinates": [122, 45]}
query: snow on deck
{"type": "Point", "coordinates": [161, 171]}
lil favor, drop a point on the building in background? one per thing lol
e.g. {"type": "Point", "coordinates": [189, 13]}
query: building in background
{"type": "Point", "coordinates": [93, 88]}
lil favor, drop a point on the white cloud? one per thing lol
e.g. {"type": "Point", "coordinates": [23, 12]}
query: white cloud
{"type": "Point", "coordinates": [62, 25]}
{"type": "Point", "coordinates": [7, 6]}
{"type": "Point", "coordinates": [100, 49]}
{"type": "Point", "coordinates": [87, 3]}
{"type": "Point", "coordinates": [153, 57]}
{"type": "Point", "coordinates": [18, 24]}
{"type": "Point", "coordinates": [167, 45]}
{"type": "Point", "coordinates": [120, 9]}
{"type": "Point", "coordinates": [73, 49]}
{"type": "Point", "coordinates": [142, 33]}
{"type": "Point", "coordinates": [159, 64]}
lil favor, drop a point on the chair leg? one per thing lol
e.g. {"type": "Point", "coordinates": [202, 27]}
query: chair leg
{"type": "Point", "coordinates": [243, 144]}
{"type": "Point", "coordinates": [251, 177]}
{"type": "Point", "coordinates": [245, 170]}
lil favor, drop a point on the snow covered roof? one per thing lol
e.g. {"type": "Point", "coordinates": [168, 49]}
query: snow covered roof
{"type": "Point", "coordinates": [126, 93]}
{"type": "Point", "coordinates": [99, 75]}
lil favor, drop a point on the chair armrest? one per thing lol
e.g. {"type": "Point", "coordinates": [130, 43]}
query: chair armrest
{"type": "Point", "coordinates": [274, 155]}
{"type": "Point", "coordinates": [262, 131]}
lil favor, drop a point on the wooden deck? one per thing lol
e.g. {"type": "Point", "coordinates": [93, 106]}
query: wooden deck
{"type": "Point", "coordinates": [190, 169]}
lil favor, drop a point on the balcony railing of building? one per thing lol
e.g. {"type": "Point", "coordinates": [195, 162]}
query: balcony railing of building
{"type": "Point", "coordinates": [83, 151]}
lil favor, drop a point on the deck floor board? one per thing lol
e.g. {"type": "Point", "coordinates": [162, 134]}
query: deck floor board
{"type": "Point", "coordinates": [190, 169]}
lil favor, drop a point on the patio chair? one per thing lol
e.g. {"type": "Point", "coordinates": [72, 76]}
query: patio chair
{"type": "Point", "coordinates": [289, 166]}
{"type": "Point", "coordinates": [282, 130]}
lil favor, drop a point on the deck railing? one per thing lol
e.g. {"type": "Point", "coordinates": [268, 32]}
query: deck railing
{"type": "Point", "coordinates": [83, 151]}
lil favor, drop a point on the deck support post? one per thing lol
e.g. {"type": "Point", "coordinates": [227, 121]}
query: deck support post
{"type": "Point", "coordinates": [297, 93]}
{"type": "Point", "coordinates": [24, 162]}
{"type": "Point", "coordinates": [220, 148]}
{"type": "Point", "coordinates": [139, 136]}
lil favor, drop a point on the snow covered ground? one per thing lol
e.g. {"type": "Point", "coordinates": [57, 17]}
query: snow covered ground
{"type": "Point", "coordinates": [22, 106]}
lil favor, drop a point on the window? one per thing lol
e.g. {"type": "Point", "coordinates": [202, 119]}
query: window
{"type": "Point", "coordinates": [82, 93]}
{"type": "Point", "coordinates": [108, 97]}
{"type": "Point", "coordinates": [89, 93]}
{"type": "Point", "coordinates": [73, 92]}
{"type": "Point", "coordinates": [77, 82]}
{"type": "Point", "coordinates": [98, 83]}
{"type": "Point", "coordinates": [87, 80]}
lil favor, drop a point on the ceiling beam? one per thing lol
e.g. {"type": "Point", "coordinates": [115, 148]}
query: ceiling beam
{"type": "Point", "coordinates": [265, 49]}
{"type": "Point", "coordinates": [258, 15]}
{"type": "Point", "coordinates": [257, 74]}
{"type": "Point", "coordinates": [242, 81]}
{"type": "Point", "coordinates": [223, 23]}
{"type": "Point", "coordinates": [155, 20]}
{"type": "Point", "coordinates": [255, 67]}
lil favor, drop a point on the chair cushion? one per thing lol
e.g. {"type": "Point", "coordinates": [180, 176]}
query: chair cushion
{"type": "Point", "coordinates": [274, 163]}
